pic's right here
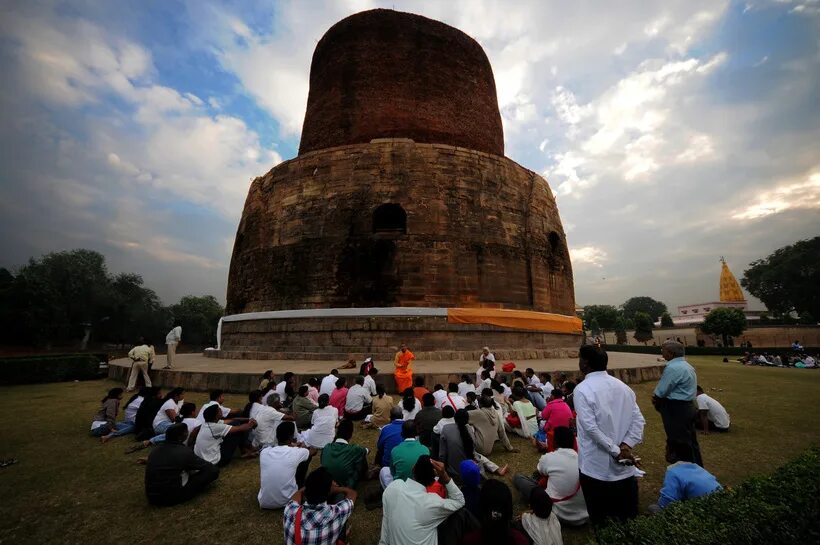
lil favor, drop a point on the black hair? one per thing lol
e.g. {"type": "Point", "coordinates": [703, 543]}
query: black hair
{"type": "Point", "coordinates": [313, 381]}
{"type": "Point", "coordinates": [340, 383]}
{"type": "Point", "coordinates": [146, 392]}
{"type": "Point", "coordinates": [419, 381]}
{"type": "Point", "coordinates": [563, 437]}
{"type": "Point", "coordinates": [570, 386]}
{"type": "Point", "coordinates": [215, 394]}
{"type": "Point", "coordinates": [485, 374]}
{"type": "Point", "coordinates": [267, 374]}
{"type": "Point", "coordinates": [303, 390]}
{"type": "Point", "coordinates": [334, 372]}
{"type": "Point", "coordinates": [285, 432]}
{"type": "Point", "coordinates": [210, 413]}
{"type": "Point", "coordinates": [682, 452]}
{"type": "Point", "coordinates": [438, 387]}
{"type": "Point", "coordinates": [408, 400]}
{"type": "Point", "coordinates": [557, 393]}
{"type": "Point", "coordinates": [540, 503]}
{"type": "Point", "coordinates": [495, 510]}
{"type": "Point", "coordinates": [173, 393]}
{"type": "Point", "coordinates": [428, 400]}
{"type": "Point", "coordinates": [452, 387]}
{"type": "Point", "coordinates": [596, 358]}
{"type": "Point", "coordinates": [373, 371]}
{"type": "Point", "coordinates": [345, 430]}
{"type": "Point", "coordinates": [467, 378]}
{"type": "Point", "coordinates": [323, 400]}
{"type": "Point", "coordinates": [517, 374]}
{"type": "Point", "coordinates": [287, 376]}
{"type": "Point", "coordinates": [408, 429]}
{"type": "Point", "coordinates": [113, 393]}
{"type": "Point", "coordinates": [486, 402]}
{"type": "Point", "coordinates": [176, 433]}
{"type": "Point", "coordinates": [317, 486]}
{"type": "Point", "coordinates": [360, 380]}
{"type": "Point", "coordinates": [468, 395]}
{"type": "Point", "coordinates": [462, 418]}
{"type": "Point", "coordinates": [519, 393]}
{"type": "Point", "coordinates": [487, 392]}
{"type": "Point", "coordinates": [423, 471]}
{"type": "Point", "coordinates": [255, 396]}
{"type": "Point", "coordinates": [380, 390]}
{"type": "Point", "coordinates": [529, 370]}
{"type": "Point", "coordinates": [447, 411]}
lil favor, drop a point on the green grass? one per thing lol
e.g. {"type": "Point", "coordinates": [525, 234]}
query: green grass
{"type": "Point", "coordinates": [67, 488]}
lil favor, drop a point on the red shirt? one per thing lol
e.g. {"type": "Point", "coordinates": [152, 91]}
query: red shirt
{"type": "Point", "coordinates": [557, 414]}
{"type": "Point", "coordinates": [437, 488]}
{"type": "Point", "coordinates": [338, 398]}
{"type": "Point", "coordinates": [419, 391]}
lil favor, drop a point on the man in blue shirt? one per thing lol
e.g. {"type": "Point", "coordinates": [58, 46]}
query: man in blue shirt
{"type": "Point", "coordinates": [389, 437]}
{"type": "Point", "coordinates": [684, 479]}
{"type": "Point", "coordinates": [675, 398]}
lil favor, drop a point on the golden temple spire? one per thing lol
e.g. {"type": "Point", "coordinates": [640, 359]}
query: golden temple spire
{"type": "Point", "coordinates": [729, 288]}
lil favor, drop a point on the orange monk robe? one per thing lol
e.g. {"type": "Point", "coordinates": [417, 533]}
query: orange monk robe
{"type": "Point", "coordinates": [404, 370]}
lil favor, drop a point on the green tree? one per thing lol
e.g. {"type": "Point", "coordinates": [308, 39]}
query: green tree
{"type": "Point", "coordinates": [594, 328]}
{"type": "Point", "coordinates": [666, 320]}
{"type": "Point", "coordinates": [643, 304]}
{"type": "Point", "coordinates": [620, 331]}
{"type": "Point", "coordinates": [643, 327]}
{"type": "Point", "coordinates": [198, 317]}
{"type": "Point", "coordinates": [604, 314]}
{"type": "Point", "coordinates": [725, 322]}
{"type": "Point", "coordinates": [788, 279]}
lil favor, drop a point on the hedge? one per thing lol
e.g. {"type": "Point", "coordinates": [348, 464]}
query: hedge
{"type": "Point", "coordinates": [781, 508]}
{"type": "Point", "coordinates": [51, 368]}
{"type": "Point", "coordinates": [708, 350]}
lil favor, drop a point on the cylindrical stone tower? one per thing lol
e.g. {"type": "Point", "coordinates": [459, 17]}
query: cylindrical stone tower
{"type": "Point", "coordinates": [400, 216]}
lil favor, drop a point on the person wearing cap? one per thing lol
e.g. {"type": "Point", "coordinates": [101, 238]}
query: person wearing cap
{"type": "Point", "coordinates": [173, 473]}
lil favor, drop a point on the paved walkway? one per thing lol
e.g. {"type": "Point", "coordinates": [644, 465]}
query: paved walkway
{"type": "Point", "coordinates": [200, 364]}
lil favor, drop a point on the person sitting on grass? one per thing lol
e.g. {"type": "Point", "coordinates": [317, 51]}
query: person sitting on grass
{"type": "Point", "coordinates": [339, 397]}
{"type": "Point", "coordinates": [540, 523]}
{"type": "Point", "coordinates": [217, 397]}
{"type": "Point", "coordinates": [404, 455]}
{"type": "Point", "coordinates": [322, 424]}
{"type": "Point", "coordinates": [165, 416]}
{"type": "Point", "coordinates": [439, 394]}
{"type": "Point", "coordinates": [302, 408]}
{"type": "Point", "coordinates": [347, 463]}
{"type": "Point", "coordinates": [328, 383]}
{"type": "Point", "coordinates": [144, 419]}
{"type": "Point", "coordinates": [268, 419]}
{"type": "Point", "coordinates": [173, 473]}
{"type": "Point", "coordinates": [458, 444]}
{"type": "Point", "coordinates": [105, 420]}
{"type": "Point", "coordinates": [215, 441]}
{"type": "Point", "coordinates": [711, 414]}
{"type": "Point", "coordinates": [129, 422]}
{"type": "Point", "coordinates": [495, 509]}
{"type": "Point", "coordinates": [282, 469]}
{"type": "Point", "coordinates": [427, 418]}
{"type": "Point", "coordinates": [382, 405]}
{"type": "Point", "coordinates": [556, 414]}
{"type": "Point", "coordinates": [410, 405]}
{"type": "Point", "coordinates": [370, 381]}
{"type": "Point", "coordinates": [389, 437]}
{"type": "Point", "coordinates": [523, 408]}
{"type": "Point", "coordinates": [466, 385]}
{"type": "Point", "coordinates": [488, 427]}
{"type": "Point", "coordinates": [318, 521]}
{"type": "Point", "coordinates": [358, 401]}
{"type": "Point", "coordinates": [313, 390]}
{"type": "Point", "coordinates": [419, 389]}
{"type": "Point", "coordinates": [410, 513]}
{"type": "Point", "coordinates": [187, 416]}
{"type": "Point", "coordinates": [267, 378]}
{"type": "Point", "coordinates": [684, 479]}
{"type": "Point", "coordinates": [472, 401]}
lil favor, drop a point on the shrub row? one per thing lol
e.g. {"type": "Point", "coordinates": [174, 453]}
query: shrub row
{"type": "Point", "coordinates": [780, 508]}
{"type": "Point", "coordinates": [708, 350]}
{"type": "Point", "coordinates": [51, 368]}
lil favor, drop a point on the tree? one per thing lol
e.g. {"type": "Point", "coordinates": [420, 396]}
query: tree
{"type": "Point", "coordinates": [620, 331]}
{"type": "Point", "coordinates": [643, 327]}
{"type": "Point", "coordinates": [666, 320]}
{"type": "Point", "coordinates": [643, 304]}
{"type": "Point", "coordinates": [788, 279]}
{"type": "Point", "coordinates": [725, 322]}
{"type": "Point", "coordinates": [594, 328]}
{"type": "Point", "coordinates": [198, 317]}
{"type": "Point", "coordinates": [605, 315]}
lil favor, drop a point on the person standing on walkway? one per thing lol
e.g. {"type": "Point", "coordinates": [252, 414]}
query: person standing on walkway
{"type": "Point", "coordinates": [172, 339]}
{"type": "Point", "coordinates": [675, 397]}
{"type": "Point", "coordinates": [610, 424]}
{"type": "Point", "coordinates": [141, 357]}
{"type": "Point", "coordinates": [404, 368]}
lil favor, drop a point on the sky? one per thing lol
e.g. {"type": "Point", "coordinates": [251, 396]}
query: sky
{"type": "Point", "coordinates": [671, 132]}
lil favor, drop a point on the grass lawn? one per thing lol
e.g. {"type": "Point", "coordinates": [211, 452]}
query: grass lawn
{"type": "Point", "coordinates": [68, 488]}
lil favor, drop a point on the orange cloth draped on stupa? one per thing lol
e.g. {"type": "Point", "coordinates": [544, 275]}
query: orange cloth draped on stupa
{"type": "Point", "coordinates": [729, 288]}
{"type": "Point", "coordinates": [404, 370]}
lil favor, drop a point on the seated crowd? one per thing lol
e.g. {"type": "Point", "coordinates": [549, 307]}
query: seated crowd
{"type": "Point", "coordinates": [797, 358]}
{"type": "Point", "coordinates": [433, 451]}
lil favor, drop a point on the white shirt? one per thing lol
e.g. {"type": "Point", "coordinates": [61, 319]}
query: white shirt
{"type": "Point", "coordinates": [200, 418]}
{"type": "Point", "coordinates": [410, 415]}
{"type": "Point", "coordinates": [546, 389]}
{"type": "Point", "coordinates": [370, 386]}
{"type": "Point", "coordinates": [411, 515]}
{"type": "Point", "coordinates": [463, 388]}
{"type": "Point", "coordinates": [190, 423]}
{"type": "Point", "coordinates": [328, 385]}
{"type": "Point", "coordinates": [174, 336]}
{"type": "Point", "coordinates": [161, 415]}
{"type": "Point", "coordinates": [357, 398]}
{"type": "Point", "coordinates": [541, 531]}
{"type": "Point", "coordinates": [507, 390]}
{"type": "Point", "coordinates": [277, 471]}
{"type": "Point", "coordinates": [267, 420]}
{"type": "Point", "coordinates": [453, 400]}
{"type": "Point", "coordinates": [561, 466]}
{"type": "Point", "coordinates": [717, 414]}
{"type": "Point", "coordinates": [484, 384]}
{"type": "Point", "coordinates": [441, 423]}
{"type": "Point", "coordinates": [208, 439]}
{"type": "Point", "coordinates": [323, 427]}
{"type": "Point", "coordinates": [130, 413]}
{"type": "Point", "coordinates": [607, 416]}
{"type": "Point", "coordinates": [439, 396]}
{"type": "Point", "coordinates": [280, 389]}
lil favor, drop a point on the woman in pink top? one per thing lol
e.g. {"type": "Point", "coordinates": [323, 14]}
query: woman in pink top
{"type": "Point", "coordinates": [556, 414]}
{"type": "Point", "coordinates": [313, 390]}
{"type": "Point", "coordinates": [338, 397]}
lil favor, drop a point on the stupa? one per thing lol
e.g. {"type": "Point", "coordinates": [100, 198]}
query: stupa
{"type": "Point", "coordinates": [400, 219]}
{"type": "Point", "coordinates": [731, 296]}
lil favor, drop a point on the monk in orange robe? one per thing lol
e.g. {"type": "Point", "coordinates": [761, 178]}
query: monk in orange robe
{"type": "Point", "coordinates": [404, 370]}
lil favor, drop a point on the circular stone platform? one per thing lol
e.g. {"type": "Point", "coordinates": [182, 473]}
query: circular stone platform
{"type": "Point", "coordinates": [196, 372]}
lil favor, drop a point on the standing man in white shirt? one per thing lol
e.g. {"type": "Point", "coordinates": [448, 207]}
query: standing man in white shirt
{"type": "Point", "coordinates": [172, 339]}
{"type": "Point", "coordinates": [610, 424]}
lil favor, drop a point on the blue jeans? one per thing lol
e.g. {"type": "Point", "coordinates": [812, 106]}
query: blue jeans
{"type": "Point", "coordinates": [537, 400]}
{"type": "Point", "coordinates": [99, 431]}
{"type": "Point", "coordinates": [159, 429]}
{"type": "Point", "coordinates": [123, 428]}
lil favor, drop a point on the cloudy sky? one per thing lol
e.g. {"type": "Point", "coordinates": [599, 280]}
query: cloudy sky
{"type": "Point", "coordinates": [671, 133]}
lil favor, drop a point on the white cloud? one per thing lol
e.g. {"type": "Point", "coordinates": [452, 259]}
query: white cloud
{"type": "Point", "coordinates": [587, 256]}
{"type": "Point", "coordinates": [803, 194]}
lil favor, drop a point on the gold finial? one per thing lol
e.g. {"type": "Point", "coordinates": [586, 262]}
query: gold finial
{"type": "Point", "coordinates": [729, 288]}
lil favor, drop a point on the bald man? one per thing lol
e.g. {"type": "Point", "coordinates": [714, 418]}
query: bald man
{"type": "Point", "coordinates": [675, 397]}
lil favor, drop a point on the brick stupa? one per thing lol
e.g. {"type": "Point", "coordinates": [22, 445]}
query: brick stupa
{"type": "Point", "coordinates": [400, 220]}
